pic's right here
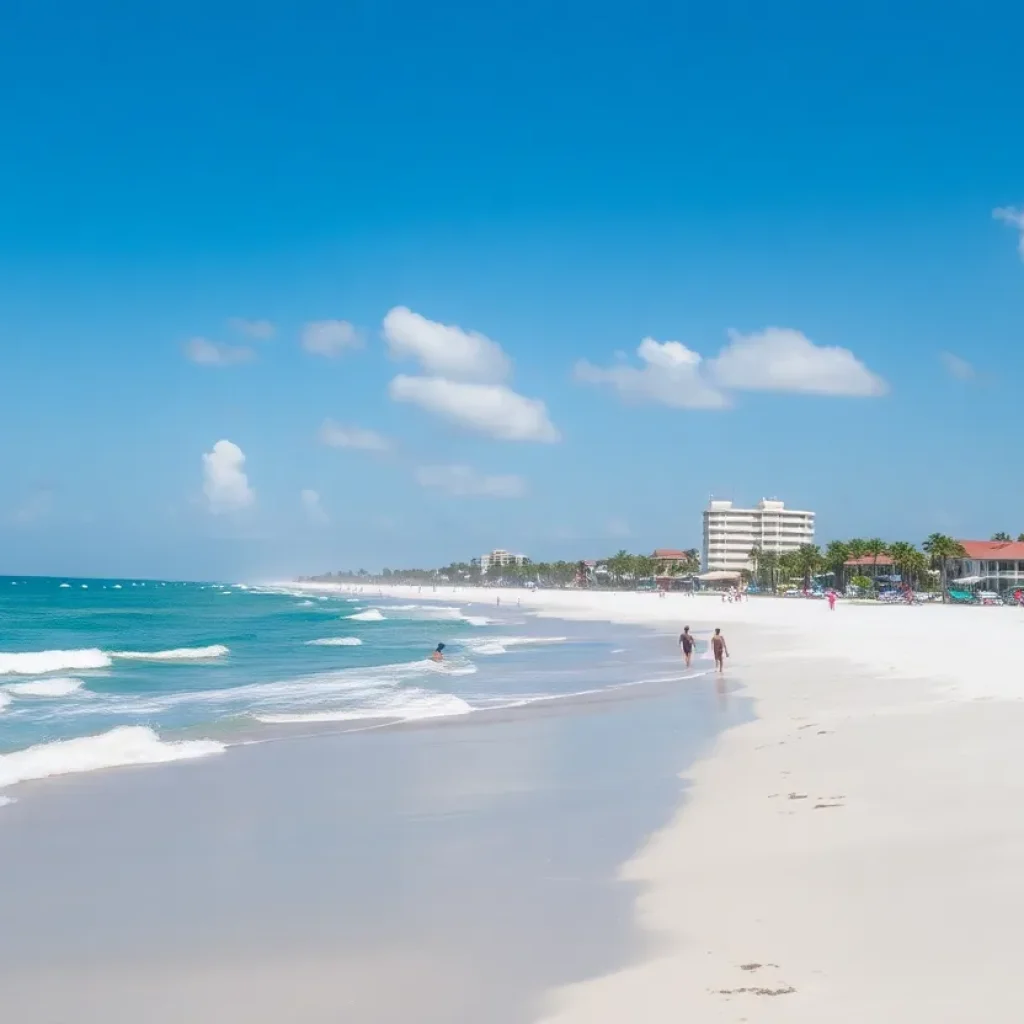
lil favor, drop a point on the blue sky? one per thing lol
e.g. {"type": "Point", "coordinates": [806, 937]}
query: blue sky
{"type": "Point", "coordinates": [763, 184]}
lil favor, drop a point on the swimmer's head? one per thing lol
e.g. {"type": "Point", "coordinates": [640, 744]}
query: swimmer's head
{"type": "Point", "coordinates": [440, 648]}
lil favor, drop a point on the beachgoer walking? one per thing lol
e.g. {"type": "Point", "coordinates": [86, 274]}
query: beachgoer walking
{"type": "Point", "coordinates": [720, 650]}
{"type": "Point", "coordinates": [437, 655]}
{"type": "Point", "coordinates": [686, 644]}
{"type": "Point", "coordinates": [831, 600]}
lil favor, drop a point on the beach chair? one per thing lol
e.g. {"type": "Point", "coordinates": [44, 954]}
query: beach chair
{"type": "Point", "coordinates": [961, 596]}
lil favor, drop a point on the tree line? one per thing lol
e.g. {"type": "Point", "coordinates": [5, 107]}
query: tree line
{"type": "Point", "coordinates": [914, 566]}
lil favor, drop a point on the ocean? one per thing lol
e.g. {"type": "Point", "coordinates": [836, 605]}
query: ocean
{"type": "Point", "coordinates": [100, 673]}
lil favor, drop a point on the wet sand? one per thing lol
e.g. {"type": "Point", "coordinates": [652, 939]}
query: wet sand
{"type": "Point", "coordinates": [456, 870]}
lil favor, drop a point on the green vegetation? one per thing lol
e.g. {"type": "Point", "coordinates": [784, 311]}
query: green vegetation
{"type": "Point", "coordinates": [805, 567]}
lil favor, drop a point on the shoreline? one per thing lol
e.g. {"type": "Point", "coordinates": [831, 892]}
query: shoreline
{"type": "Point", "coordinates": [454, 869]}
{"type": "Point", "coordinates": [851, 854]}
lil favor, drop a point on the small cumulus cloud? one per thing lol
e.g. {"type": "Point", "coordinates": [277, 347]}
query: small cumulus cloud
{"type": "Point", "coordinates": [225, 483]}
{"type": "Point", "coordinates": [337, 436]}
{"type": "Point", "coordinates": [465, 482]}
{"type": "Point", "coordinates": [956, 367]}
{"type": "Point", "coordinates": [775, 359]}
{"type": "Point", "coordinates": [330, 338]}
{"type": "Point", "coordinates": [490, 409]}
{"type": "Point", "coordinates": [669, 374]}
{"type": "Point", "coordinates": [782, 359]}
{"type": "Point", "coordinates": [1014, 216]}
{"type": "Point", "coordinates": [444, 350]}
{"type": "Point", "coordinates": [212, 353]}
{"type": "Point", "coordinates": [260, 330]}
{"type": "Point", "coordinates": [313, 506]}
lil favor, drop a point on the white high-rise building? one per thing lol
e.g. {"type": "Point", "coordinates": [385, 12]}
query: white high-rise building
{"type": "Point", "coordinates": [500, 557]}
{"type": "Point", "coordinates": [731, 533]}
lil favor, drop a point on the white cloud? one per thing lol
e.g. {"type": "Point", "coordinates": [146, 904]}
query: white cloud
{"type": "Point", "coordinates": [330, 338]}
{"type": "Point", "coordinates": [957, 367]}
{"type": "Point", "coordinates": [314, 507]}
{"type": "Point", "coordinates": [261, 330]}
{"type": "Point", "coordinates": [212, 353]}
{"type": "Point", "coordinates": [464, 482]}
{"type": "Point", "coordinates": [1014, 216]}
{"type": "Point", "coordinates": [224, 481]}
{"type": "Point", "coordinates": [490, 409]}
{"type": "Point", "coordinates": [444, 350]}
{"type": "Point", "coordinates": [781, 359]}
{"type": "Point", "coordinates": [337, 436]}
{"type": "Point", "coordinates": [671, 375]}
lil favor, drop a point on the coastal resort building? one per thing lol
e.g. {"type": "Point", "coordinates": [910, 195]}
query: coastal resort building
{"type": "Point", "coordinates": [502, 558]}
{"type": "Point", "coordinates": [880, 570]}
{"type": "Point", "coordinates": [988, 565]}
{"type": "Point", "coordinates": [730, 533]}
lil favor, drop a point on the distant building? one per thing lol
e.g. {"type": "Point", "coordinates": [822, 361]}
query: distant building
{"type": "Point", "coordinates": [501, 557]}
{"type": "Point", "coordinates": [731, 533]}
{"type": "Point", "coordinates": [670, 556]}
{"type": "Point", "coordinates": [989, 565]}
{"type": "Point", "coordinates": [880, 568]}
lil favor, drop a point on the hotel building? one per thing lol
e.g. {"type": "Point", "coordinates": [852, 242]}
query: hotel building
{"type": "Point", "coordinates": [731, 533]}
{"type": "Point", "coordinates": [500, 557]}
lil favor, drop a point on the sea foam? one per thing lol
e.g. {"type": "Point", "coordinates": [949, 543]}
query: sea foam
{"type": "Point", "coordinates": [45, 688]}
{"type": "Point", "coordinates": [175, 654]}
{"type": "Point", "coordinates": [489, 645]}
{"type": "Point", "coordinates": [130, 744]}
{"type": "Point", "coordinates": [405, 705]}
{"type": "Point", "coordinates": [37, 663]}
{"type": "Point", "coordinates": [335, 641]}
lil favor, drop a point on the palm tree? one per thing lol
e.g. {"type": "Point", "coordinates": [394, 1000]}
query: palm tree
{"type": "Point", "coordinates": [836, 555]}
{"type": "Point", "coordinates": [858, 550]}
{"type": "Point", "coordinates": [875, 547]}
{"type": "Point", "coordinates": [1001, 536]}
{"type": "Point", "coordinates": [755, 558]}
{"type": "Point", "coordinates": [942, 549]}
{"type": "Point", "coordinates": [808, 562]}
{"type": "Point", "coordinates": [789, 566]}
{"type": "Point", "coordinates": [917, 566]}
{"type": "Point", "coordinates": [902, 555]}
{"type": "Point", "coordinates": [643, 566]}
{"type": "Point", "coordinates": [692, 564]}
{"type": "Point", "coordinates": [770, 567]}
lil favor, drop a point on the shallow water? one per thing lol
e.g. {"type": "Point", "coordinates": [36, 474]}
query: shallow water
{"type": "Point", "coordinates": [101, 673]}
{"type": "Point", "coordinates": [450, 870]}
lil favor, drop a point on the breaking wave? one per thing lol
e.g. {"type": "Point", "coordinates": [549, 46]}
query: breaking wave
{"type": "Point", "coordinates": [125, 745]}
{"type": "Point", "coordinates": [176, 654]}
{"type": "Point", "coordinates": [370, 615]}
{"type": "Point", "coordinates": [335, 641]}
{"type": "Point", "coordinates": [45, 688]}
{"type": "Point", "coordinates": [38, 663]}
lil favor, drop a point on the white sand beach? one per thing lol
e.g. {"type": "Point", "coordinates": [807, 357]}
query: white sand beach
{"type": "Point", "coordinates": [854, 854]}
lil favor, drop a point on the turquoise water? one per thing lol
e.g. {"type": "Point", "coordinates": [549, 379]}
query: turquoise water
{"type": "Point", "coordinates": [141, 671]}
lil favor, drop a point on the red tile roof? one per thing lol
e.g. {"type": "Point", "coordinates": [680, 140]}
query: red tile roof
{"type": "Point", "coordinates": [668, 553]}
{"type": "Point", "coordinates": [870, 560]}
{"type": "Point", "coordinates": [994, 549]}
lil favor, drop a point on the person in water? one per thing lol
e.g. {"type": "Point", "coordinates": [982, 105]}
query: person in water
{"type": "Point", "coordinates": [686, 644]}
{"type": "Point", "coordinates": [437, 655]}
{"type": "Point", "coordinates": [720, 650]}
